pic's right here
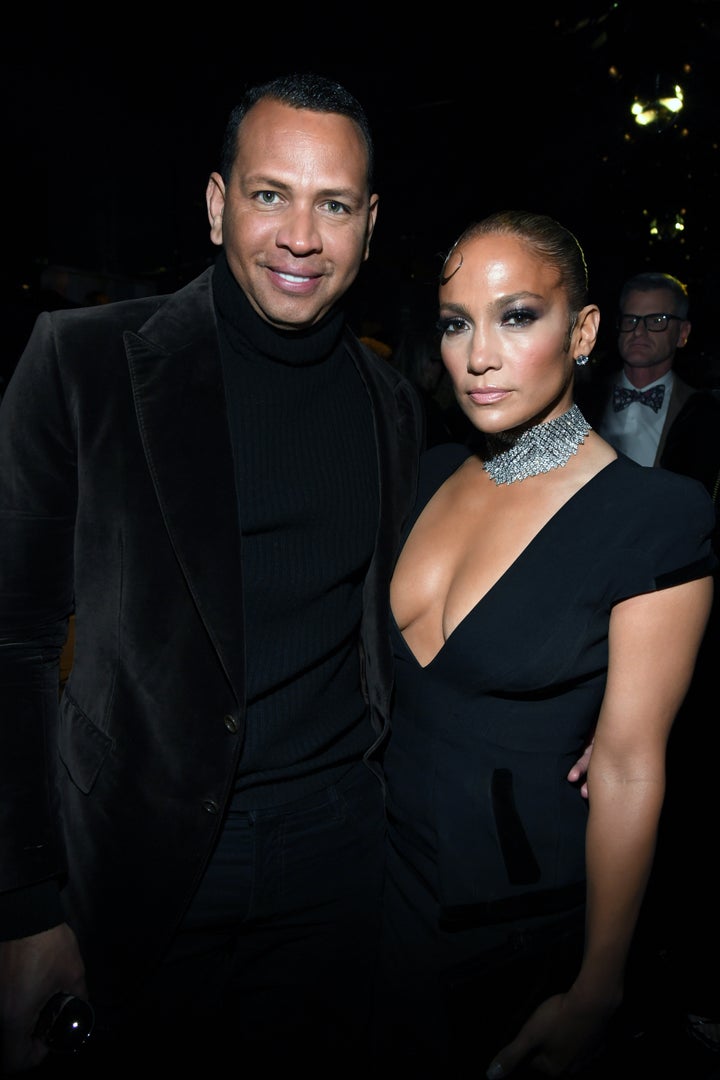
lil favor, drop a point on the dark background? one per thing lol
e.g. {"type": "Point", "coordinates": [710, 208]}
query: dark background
{"type": "Point", "coordinates": [112, 126]}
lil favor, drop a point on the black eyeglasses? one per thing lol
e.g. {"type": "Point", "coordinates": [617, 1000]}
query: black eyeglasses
{"type": "Point", "coordinates": [655, 323]}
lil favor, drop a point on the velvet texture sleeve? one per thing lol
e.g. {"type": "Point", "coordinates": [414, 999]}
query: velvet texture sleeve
{"type": "Point", "coordinates": [38, 494]}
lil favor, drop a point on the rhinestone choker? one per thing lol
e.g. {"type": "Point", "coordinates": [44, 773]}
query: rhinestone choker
{"type": "Point", "coordinates": [537, 450]}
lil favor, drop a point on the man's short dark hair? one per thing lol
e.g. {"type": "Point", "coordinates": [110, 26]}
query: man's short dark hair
{"type": "Point", "coordinates": [299, 91]}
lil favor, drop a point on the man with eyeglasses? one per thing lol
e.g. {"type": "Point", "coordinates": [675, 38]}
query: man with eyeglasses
{"type": "Point", "coordinates": [647, 411]}
{"type": "Point", "coordinates": [647, 396]}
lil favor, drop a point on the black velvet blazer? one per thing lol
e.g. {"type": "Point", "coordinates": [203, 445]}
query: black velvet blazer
{"type": "Point", "coordinates": [117, 502]}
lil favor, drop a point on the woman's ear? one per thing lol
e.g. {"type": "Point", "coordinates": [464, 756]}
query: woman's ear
{"type": "Point", "coordinates": [586, 329]}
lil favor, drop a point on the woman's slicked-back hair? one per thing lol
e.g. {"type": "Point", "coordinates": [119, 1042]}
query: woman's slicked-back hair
{"type": "Point", "coordinates": [547, 239]}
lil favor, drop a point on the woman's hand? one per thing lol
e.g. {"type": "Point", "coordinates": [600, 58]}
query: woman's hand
{"type": "Point", "coordinates": [558, 1039]}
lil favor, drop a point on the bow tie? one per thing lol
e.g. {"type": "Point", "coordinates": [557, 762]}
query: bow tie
{"type": "Point", "coordinates": [622, 397]}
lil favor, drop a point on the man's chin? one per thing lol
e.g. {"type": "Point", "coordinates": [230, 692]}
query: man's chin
{"type": "Point", "coordinates": [641, 361]}
{"type": "Point", "coordinates": [292, 315]}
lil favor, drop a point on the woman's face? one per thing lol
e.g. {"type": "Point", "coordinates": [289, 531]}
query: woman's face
{"type": "Point", "coordinates": [504, 319]}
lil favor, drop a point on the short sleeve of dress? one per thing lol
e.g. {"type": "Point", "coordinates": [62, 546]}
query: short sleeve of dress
{"type": "Point", "coordinates": [665, 537]}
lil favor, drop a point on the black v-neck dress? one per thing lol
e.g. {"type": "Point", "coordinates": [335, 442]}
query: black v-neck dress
{"type": "Point", "coordinates": [485, 833]}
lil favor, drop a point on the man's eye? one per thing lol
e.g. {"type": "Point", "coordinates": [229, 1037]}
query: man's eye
{"type": "Point", "coordinates": [268, 198]}
{"type": "Point", "coordinates": [336, 207]}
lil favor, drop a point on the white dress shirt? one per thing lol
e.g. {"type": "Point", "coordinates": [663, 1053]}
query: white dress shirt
{"type": "Point", "coordinates": [635, 430]}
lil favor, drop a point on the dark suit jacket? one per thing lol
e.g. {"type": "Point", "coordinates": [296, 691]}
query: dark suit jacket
{"type": "Point", "coordinates": [690, 438]}
{"type": "Point", "coordinates": [117, 502]}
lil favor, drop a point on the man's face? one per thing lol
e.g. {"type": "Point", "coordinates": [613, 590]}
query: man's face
{"type": "Point", "coordinates": [641, 348]}
{"type": "Point", "coordinates": [295, 218]}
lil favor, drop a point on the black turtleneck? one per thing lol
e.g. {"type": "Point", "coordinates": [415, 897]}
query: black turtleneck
{"type": "Point", "coordinates": [306, 471]}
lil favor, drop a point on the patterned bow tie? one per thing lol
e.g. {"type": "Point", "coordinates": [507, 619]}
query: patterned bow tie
{"type": "Point", "coordinates": [622, 397]}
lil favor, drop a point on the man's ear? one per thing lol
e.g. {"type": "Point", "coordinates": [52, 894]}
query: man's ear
{"type": "Point", "coordinates": [372, 217]}
{"type": "Point", "coordinates": [685, 328]}
{"type": "Point", "coordinates": [215, 201]}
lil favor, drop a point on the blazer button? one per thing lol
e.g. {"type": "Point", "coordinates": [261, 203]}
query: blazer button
{"type": "Point", "coordinates": [211, 806]}
{"type": "Point", "coordinates": [231, 724]}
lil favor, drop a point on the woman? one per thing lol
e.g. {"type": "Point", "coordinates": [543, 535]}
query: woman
{"type": "Point", "coordinates": [547, 588]}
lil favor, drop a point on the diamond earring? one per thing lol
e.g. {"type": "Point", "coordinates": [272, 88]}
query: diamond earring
{"type": "Point", "coordinates": [582, 360]}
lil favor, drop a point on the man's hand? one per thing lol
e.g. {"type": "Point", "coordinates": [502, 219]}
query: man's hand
{"type": "Point", "coordinates": [32, 969]}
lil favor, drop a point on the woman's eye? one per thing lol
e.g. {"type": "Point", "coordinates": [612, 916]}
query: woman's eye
{"type": "Point", "coordinates": [453, 325]}
{"type": "Point", "coordinates": [519, 317]}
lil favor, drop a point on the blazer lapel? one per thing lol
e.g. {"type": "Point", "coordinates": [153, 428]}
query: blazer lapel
{"type": "Point", "coordinates": [681, 392]}
{"type": "Point", "coordinates": [397, 432]}
{"type": "Point", "coordinates": [179, 394]}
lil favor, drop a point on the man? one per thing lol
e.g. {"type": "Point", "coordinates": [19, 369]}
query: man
{"type": "Point", "coordinates": [647, 411]}
{"type": "Point", "coordinates": [214, 483]}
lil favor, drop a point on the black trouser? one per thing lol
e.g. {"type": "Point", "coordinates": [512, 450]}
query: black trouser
{"type": "Point", "coordinates": [276, 958]}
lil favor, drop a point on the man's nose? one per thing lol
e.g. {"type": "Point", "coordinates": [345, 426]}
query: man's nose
{"type": "Point", "coordinates": [299, 233]}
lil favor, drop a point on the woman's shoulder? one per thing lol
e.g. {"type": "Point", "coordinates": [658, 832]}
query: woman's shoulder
{"type": "Point", "coordinates": [436, 464]}
{"type": "Point", "coordinates": [659, 514]}
{"type": "Point", "coordinates": [439, 462]}
{"type": "Point", "coordinates": [650, 483]}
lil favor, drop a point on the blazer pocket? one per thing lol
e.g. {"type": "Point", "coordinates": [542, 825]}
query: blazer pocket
{"type": "Point", "coordinates": [82, 746]}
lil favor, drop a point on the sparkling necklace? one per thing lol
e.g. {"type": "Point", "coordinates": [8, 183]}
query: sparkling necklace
{"type": "Point", "coordinates": [539, 449]}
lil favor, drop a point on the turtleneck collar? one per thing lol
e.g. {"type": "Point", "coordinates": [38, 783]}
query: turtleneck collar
{"type": "Point", "coordinates": [245, 328]}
